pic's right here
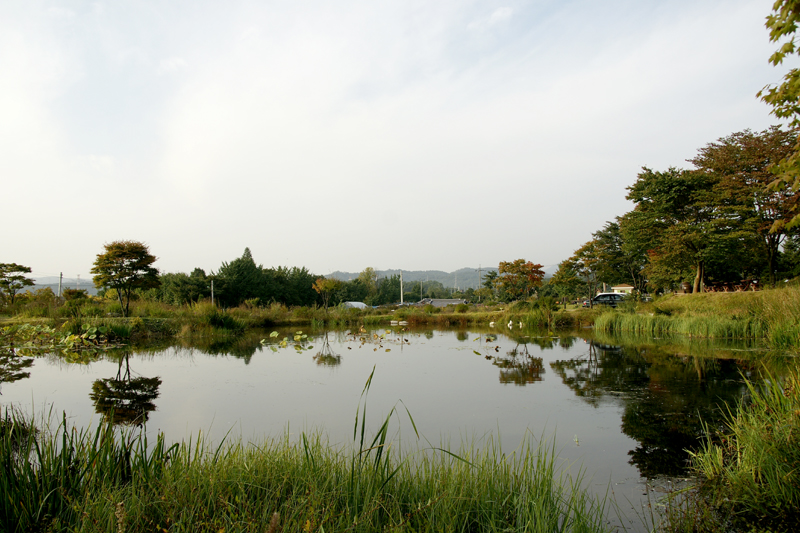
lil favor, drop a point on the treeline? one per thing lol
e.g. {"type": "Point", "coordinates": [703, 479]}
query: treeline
{"type": "Point", "coordinates": [723, 221]}
{"type": "Point", "coordinates": [243, 282]}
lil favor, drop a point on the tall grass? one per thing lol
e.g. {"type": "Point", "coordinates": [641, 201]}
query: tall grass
{"type": "Point", "coordinates": [102, 481]}
{"type": "Point", "coordinates": [46, 476]}
{"type": "Point", "coordinates": [697, 326]}
{"type": "Point", "coordinates": [751, 469]}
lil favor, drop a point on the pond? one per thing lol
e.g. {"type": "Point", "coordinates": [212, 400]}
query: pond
{"type": "Point", "coordinates": [625, 411]}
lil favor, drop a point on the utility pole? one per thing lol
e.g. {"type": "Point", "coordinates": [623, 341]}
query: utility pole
{"type": "Point", "coordinates": [60, 279]}
{"type": "Point", "coordinates": [79, 282]}
{"type": "Point", "coordinates": [479, 283]}
{"type": "Point", "coordinates": [401, 287]}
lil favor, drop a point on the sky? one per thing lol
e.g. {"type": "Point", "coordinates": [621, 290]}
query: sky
{"type": "Point", "coordinates": [411, 135]}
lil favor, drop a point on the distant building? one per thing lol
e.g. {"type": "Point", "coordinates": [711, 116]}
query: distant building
{"type": "Point", "coordinates": [354, 305]}
{"type": "Point", "coordinates": [441, 302]}
{"type": "Point", "coordinates": [623, 289]}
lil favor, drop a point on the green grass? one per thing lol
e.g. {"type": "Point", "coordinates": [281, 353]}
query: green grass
{"type": "Point", "coordinates": [771, 316]}
{"type": "Point", "coordinates": [751, 469]}
{"type": "Point", "coordinates": [78, 480]}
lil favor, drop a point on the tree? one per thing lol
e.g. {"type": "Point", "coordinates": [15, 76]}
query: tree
{"type": "Point", "coordinates": [388, 291]}
{"type": "Point", "coordinates": [369, 279]}
{"type": "Point", "coordinates": [741, 165]}
{"type": "Point", "coordinates": [241, 280]}
{"type": "Point", "coordinates": [618, 260]}
{"type": "Point", "coordinates": [584, 263]}
{"type": "Point", "coordinates": [566, 281]}
{"type": "Point", "coordinates": [125, 266]}
{"type": "Point", "coordinates": [519, 278]}
{"type": "Point", "coordinates": [785, 98]}
{"type": "Point", "coordinates": [327, 287]}
{"type": "Point", "coordinates": [12, 279]}
{"type": "Point", "coordinates": [678, 220]}
{"type": "Point", "coordinates": [123, 399]}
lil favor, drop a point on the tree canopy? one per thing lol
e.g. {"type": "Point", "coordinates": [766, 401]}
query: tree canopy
{"type": "Point", "coordinates": [785, 97]}
{"type": "Point", "coordinates": [519, 278]}
{"type": "Point", "coordinates": [12, 280]}
{"type": "Point", "coordinates": [125, 266]}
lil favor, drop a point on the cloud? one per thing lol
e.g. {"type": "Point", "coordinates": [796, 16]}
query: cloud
{"type": "Point", "coordinates": [171, 64]}
{"type": "Point", "coordinates": [498, 16]}
{"type": "Point", "coordinates": [332, 136]}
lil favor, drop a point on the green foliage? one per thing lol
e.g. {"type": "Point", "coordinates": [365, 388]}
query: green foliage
{"type": "Point", "coordinates": [13, 279]}
{"type": "Point", "coordinates": [785, 98]}
{"type": "Point", "coordinates": [76, 480]}
{"type": "Point", "coordinates": [242, 280]}
{"type": "Point", "coordinates": [125, 266]}
{"type": "Point", "coordinates": [741, 164]}
{"type": "Point", "coordinates": [751, 470]}
{"type": "Point", "coordinates": [519, 278]}
{"type": "Point", "coordinates": [74, 294]}
{"type": "Point", "coordinates": [180, 289]}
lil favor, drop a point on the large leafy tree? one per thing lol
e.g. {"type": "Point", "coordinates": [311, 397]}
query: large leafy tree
{"type": "Point", "coordinates": [785, 98]}
{"type": "Point", "coordinates": [586, 264]}
{"type": "Point", "coordinates": [124, 267]}
{"type": "Point", "coordinates": [566, 281]}
{"type": "Point", "coordinates": [617, 260]}
{"type": "Point", "coordinates": [13, 280]}
{"type": "Point", "coordinates": [519, 278]}
{"type": "Point", "coordinates": [326, 288]}
{"type": "Point", "coordinates": [241, 280]}
{"type": "Point", "coordinates": [741, 164]}
{"type": "Point", "coordinates": [678, 221]}
{"type": "Point", "coordinates": [180, 289]}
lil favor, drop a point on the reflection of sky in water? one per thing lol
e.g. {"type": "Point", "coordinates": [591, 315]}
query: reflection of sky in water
{"type": "Point", "coordinates": [453, 393]}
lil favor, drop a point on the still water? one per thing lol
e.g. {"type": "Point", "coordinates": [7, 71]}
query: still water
{"type": "Point", "coordinates": [623, 411]}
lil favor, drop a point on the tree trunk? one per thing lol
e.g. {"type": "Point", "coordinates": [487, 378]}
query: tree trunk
{"type": "Point", "coordinates": [698, 279]}
{"type": "Point", "coordinates": [121, 305]}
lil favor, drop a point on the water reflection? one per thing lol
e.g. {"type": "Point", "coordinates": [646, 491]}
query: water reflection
{"type": "Point", "coordinates": [326, 356]}
{"type": "Point", "coordinates": [665, 397]}
{"type": "Point", "coordinates": [13, 365]}
{"type": "Point", "coordinates": [124, 399]}
{"type": "Point", "coordinates": [518, 366]}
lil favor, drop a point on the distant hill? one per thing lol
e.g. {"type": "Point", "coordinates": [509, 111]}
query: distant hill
{"type": "Point", "coordinates": [66, 283]}
{"type": "Point", "coordinates": [463, 278]}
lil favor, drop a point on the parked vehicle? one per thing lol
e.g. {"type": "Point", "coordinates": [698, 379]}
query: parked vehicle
{"type": "Point", "coordinates": [611, 299]}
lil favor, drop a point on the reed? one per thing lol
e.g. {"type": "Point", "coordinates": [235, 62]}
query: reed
{"type": "Point", "coordinates": [717, 327]}
{"type": "Point", "coordinates": [77, 480]}
{"type": "Point", "coordinates": [751, 469]}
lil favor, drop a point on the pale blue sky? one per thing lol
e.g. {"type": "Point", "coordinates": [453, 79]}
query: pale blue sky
{"type": "Point", "coordinates": [341, 135]}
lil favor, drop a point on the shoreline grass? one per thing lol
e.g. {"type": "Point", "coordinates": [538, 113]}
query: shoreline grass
{"type": "Point", "coordinates": [750, 470]}
{"type": "Point", "coordinates": [771, 316]}
{"type": "Point", "coordinates": [78, 480]}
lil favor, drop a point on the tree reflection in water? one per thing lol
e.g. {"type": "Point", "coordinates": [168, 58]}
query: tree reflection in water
{"type": "Point", "coordinates": [326, 356]}
{"type": "Point", "coordinates": [665, 397]}
{"type": "Point", "coordinates": [123, 399]}
{"type": "Point", "coordinates": [518, 366]}
{"type": "Point", "coordinates": [12, 366]}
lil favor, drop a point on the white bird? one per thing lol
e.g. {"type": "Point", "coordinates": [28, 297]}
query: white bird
{"type": "Point", "coordinates": [520, 325]}
{"type": "Point", "coordinates": [510, 324]}
{"type": "Point", "coordinates": [491, 324]}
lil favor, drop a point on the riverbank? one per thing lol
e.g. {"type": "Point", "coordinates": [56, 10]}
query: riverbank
{"type": "Point", "coordinates": [116, 482]}
{"type": "Point", "coordinates": [771, 316]}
